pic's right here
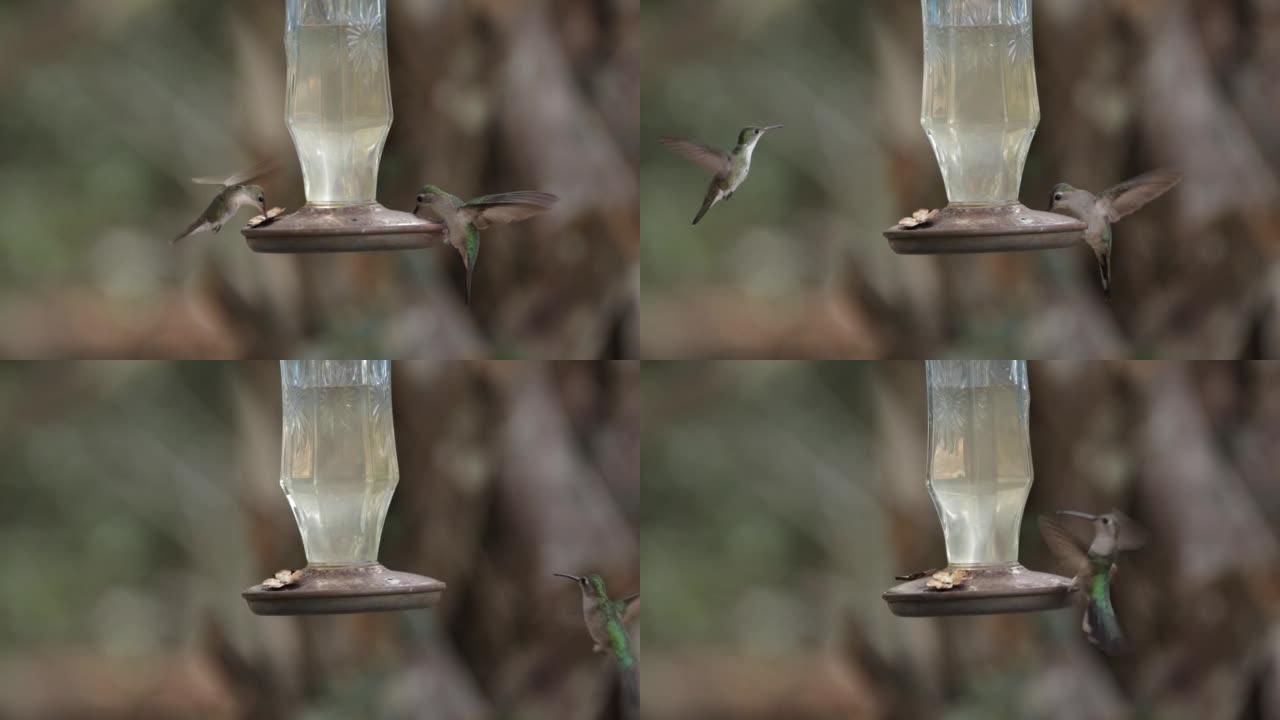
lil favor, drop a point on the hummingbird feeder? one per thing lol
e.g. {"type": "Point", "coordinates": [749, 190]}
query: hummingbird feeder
{"type": "Point", "coordinates": [338, 469]}
{"type": "Point", "coordinates": [979, 475]}
{"type": "Point", "coordinates": [338, 109]}
{"type": "Point", "coordinates": [980, 112]}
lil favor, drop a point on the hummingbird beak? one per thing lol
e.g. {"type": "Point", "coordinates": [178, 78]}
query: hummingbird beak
{"type": "Point", "coordinates": [1073, 513]}
{"type": "Point", "coordinates": [773, 127]}
{"type": "Point", "coordinates": [574, 578]}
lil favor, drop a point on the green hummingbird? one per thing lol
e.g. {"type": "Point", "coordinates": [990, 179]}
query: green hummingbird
{"type": "Point", "coordinates": [236, 193]}
{"type": "Point", "coordinates": [1100, 211]}
{"type": "Point", "coordinates": [464, 220]}
{"type": "Point", "coordinates": [730, 169]}
{"type": "Point", "coordinates": [607, 624]}
{"type": "Point", "coordinates": [1093, 569]}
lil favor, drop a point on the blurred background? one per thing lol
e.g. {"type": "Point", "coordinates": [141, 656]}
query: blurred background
{"type": "Point", "coordinates": [141, 499]}
{"type": "Point", "coordinates": [112, 107]}
{"type": "Point", "coordinates": [798, 268]}
{"type": "Point", "coordinates": [781, 499]}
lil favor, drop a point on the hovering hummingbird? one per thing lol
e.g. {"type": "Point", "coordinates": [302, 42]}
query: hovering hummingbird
{"type": "Point", "coordinates": [1100, 211]}
{"type": "Point", "coordinates": [730, 169]}
{"type": "Point", "coordinates": [1094, 568]}
{"type": "Point", "coordinates": [464, 220]}
{"type": "Point", "coordinates": [235, 194]}
{"type": "Point", "coordinates": [606, 623]}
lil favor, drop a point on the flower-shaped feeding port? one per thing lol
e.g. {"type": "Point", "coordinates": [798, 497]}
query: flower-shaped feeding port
{"type": "Point", "coordinates": [338, 469]}
{"type": "Point", "coordinates": [339, 114]}
{"type": "Point", "coordinates": [980, 111]}
{"type": "Point", "coordinates": [979, 476]}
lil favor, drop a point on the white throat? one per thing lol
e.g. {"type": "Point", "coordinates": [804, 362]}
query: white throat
{"type": "Point", "coordinates": [1104, 544]}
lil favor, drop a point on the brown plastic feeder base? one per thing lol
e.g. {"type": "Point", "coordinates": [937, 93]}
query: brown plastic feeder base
{"type": "Point", "coordinates": [359, 228]}
{"type": "Point", "coordinates": [981, 229]}
{"type": "Point", "coordinates": [988, 590]}
{"type": "Point", "coordinates": [358, 589]}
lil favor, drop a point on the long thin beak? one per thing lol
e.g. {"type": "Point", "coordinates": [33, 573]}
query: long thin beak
{"type": "Point", "coordinates": [1073, 513]}
{"type": "Point", "coordinates": [574, 578]}
{"type": "Point", "coordinates": [416, 208]}
{"type": "Point", "coordinates": [773, 127]}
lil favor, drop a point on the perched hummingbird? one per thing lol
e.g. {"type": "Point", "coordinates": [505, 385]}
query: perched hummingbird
{"type": "Point", "coordinates": [1099, 211]}
{"type": "Point", "coordinates": [731, 169]}
{"type": "Point", "coordinates": [1093, 570]}
{"type": "Point", "coordinates": [464, 220]}
{"type": "Point", "coordinates": [606, 623]}
{"type": "Point", "coordinates": [235, 194]}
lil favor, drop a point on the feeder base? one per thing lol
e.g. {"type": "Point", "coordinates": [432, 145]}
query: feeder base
{"type": "Point", "coordinates": [987, 591]}
{"type": "Point", "coordinates": [982, 229]}
{"type": "Point", "coordinates": [357, 589]}
{"type": "Point", "coordinates": [359, 228]}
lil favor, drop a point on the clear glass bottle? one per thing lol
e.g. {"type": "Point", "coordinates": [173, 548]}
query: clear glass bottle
{"type": "Point", "coordinates": [339, 96]}
{"type": "Point", "coordinates": [981, 106]}
{"type": "Point", "coordinates": [979, 471]}
{"type": "Point", "coordinates": [338, 460]}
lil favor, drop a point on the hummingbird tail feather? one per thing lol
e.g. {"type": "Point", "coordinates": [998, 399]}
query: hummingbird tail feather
{"type": "Point", "coordinates": [195, 227]}
{"type": "Point", "coordinates": [713, 197]}
{"type": "Point", "coordinates": [1105, 264]}
{"type": "Point", "coordinates": [1103, 631]}
{"type": "Point", "coordinates": [631, 685]}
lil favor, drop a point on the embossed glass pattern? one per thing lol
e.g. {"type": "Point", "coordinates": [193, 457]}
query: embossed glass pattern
{"type": "Point", "coordinates": [979, 456]}
{"type": "Point", "coordinates": [338, 458]}
{"type": "Point", "coordinates": [339, 96]}
{"type": "Point", "coordinates": [981, 106]}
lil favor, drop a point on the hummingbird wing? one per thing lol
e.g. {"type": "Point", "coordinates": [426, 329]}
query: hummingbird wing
{"type": "Point", "coordinates": [507, 207]}
{"type": "Point", "coordinates": [1129, 197]}
{"type": "Point", "coordinates": [260, 170]}
{"type": "Point", "coordinates": [1129, 534]}
{"type": "Point", "coordinates": [1064, 546]}
{"type": "Point", "coordinates": [711, 159]}
{"type": "Point", "coordinates": [629, 609]}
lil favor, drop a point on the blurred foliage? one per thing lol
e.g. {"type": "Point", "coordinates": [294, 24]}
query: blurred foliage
{"type": "Point", "coordinates": [795, 265]}
{"type": "Point", "coordinates": [112, 107]}
{"type": "Point", "coordinates": [781, 499]}
{"type": "Point", "coordinates": [141, 498]}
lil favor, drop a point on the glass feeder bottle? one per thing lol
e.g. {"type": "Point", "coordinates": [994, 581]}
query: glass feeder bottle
{"type": "Point", "coordinates": [981, 106]}
{"type": "Point", "coordinates": [338, 469]}
{"type": "Point", "coordinates": [339, 96]}
{"type": "Point", "coordinates": [338, 459]}
{"type": "Point", "coordinates": [338, 109]}
{"type": "Point", "coordinates": [979, 463]}
{"type": "Point", "coordinates": [979, 475]}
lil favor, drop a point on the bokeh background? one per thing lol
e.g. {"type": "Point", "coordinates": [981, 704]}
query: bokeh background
{"type": "Point", "coordinates": [781, 499]}
{"type": "Point", "coordinates": [796, 266]}
{"type": "Point", "coordinates": [140, 499]}
{"type": "Point", "coordinates": [111, 107]}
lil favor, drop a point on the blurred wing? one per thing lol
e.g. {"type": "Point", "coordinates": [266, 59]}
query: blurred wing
{"type": "Point", "coordinates": [629, 608]}
{"type": "Point", "coordinates": [507, 207]}
{"type": "Point", "coordinates": [1064, 545]}
{"type": "Point", "coordinates": [1130, 535]}
{"type": "Point", "coordinates": [261, 170]}
{"type": "Point", "coordinates": [1129, 197]}
{"type": "Point", "coordinates": [708, 157]}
